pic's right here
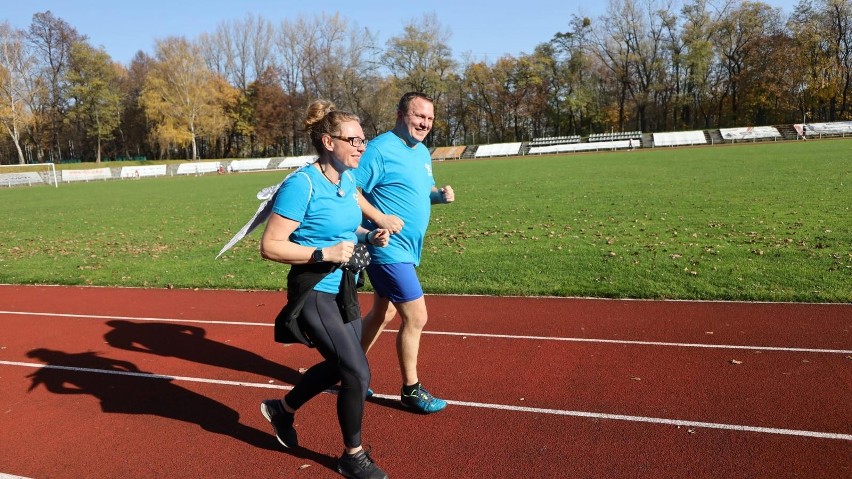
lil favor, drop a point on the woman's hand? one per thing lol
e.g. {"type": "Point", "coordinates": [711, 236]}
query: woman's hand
{"type": "Point", "coordinates": [339, 253]}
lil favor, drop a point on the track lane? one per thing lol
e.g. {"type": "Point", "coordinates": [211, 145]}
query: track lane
{"type": "Point", "coordinates": [471, 441]}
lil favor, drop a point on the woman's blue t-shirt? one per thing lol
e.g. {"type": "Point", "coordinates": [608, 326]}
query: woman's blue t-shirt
{"type": "Point", "coordinates": [325, 218]}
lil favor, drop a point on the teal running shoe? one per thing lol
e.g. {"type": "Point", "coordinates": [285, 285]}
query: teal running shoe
{"type": "Point", "coordinates": [420, 400]}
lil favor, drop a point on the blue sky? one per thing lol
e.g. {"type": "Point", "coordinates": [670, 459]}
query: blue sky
{"type": "Point", "coordinates": [487, 30]}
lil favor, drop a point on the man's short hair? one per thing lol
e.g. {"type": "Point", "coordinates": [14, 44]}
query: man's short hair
{"type": "Point", "coordinates": [406, 99]}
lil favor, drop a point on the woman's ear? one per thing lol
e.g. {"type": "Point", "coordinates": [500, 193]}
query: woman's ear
{"type": "Point", "coordinates": [327, 143]}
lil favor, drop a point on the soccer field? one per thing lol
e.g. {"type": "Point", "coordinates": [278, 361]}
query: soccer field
{"type": "Point", "coordinates": [764, 221]}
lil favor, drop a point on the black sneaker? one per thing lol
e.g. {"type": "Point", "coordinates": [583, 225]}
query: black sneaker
{"type": "Point", "coordinates": [282, 422]}
{"type": "Point", "coordinates": [359, 466]}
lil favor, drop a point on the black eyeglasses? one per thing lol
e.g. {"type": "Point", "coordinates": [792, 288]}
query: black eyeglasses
{"type": "Point", "coordinates": [355, 141]}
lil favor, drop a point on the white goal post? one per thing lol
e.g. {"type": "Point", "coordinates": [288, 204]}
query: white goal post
{"type": "Point", "coordinates": [28, 175]}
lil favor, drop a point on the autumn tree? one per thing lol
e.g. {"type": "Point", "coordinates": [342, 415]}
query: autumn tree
{"type": "Point", "coordinates": [182, 97]}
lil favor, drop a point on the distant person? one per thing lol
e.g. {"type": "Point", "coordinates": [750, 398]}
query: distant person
{"type": "Point", "coordinates": [804, 132]}
{"type": "Point", "coordinates": [395, 176]}
{"type": "Point", "coordinates": [314, 226]}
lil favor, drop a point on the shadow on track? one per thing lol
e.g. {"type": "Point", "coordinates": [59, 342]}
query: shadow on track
{"type": "Point", "coordinates": [190, 343]}
{"type": "Point", "coordinates": [101, 377]}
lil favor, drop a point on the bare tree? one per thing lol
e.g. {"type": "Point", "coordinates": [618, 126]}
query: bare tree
{"type": "Point", "coordinates": [53, 39]}
{"type": "Point", "coordinates": [16, 66]}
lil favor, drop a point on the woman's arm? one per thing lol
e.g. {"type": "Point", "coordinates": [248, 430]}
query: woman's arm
{"type": "Point", "coordinates": [275, 245]}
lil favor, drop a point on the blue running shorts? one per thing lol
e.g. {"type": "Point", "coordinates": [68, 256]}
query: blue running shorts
{"type": "Point", "coordinates": [397, 282]}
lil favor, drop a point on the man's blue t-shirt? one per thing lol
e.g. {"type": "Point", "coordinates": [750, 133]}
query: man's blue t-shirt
{"type": "Point", "coordinates": [325, 218]}
{"type": "Point", "coordinates": [398, 180]}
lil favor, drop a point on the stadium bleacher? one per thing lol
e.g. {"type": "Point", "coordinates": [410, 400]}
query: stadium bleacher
{"type": "Point", "coordinates": [198, 168]}
{"type": "Point", "coordinates": [836, 128]}
{"type": "Point", "coordinates": [680, 138]}
{"type": "Point", "coordinates": [250, 165]}
{"type": "Point", "coordinates": [750, 133]}
{"type": "Point", "coordinates": [538, 146]}
{"type": "Point", "coordinates": [28, 178]}
{"type": "Point", "coordinates": [614, 136]}
{"type": "Point", "coordinates": [498, 149]}
{"type": "Point", "coordinates": [296, 161]}
{"type": "Point", "coordinates": [448, 152]}
{"type": "Point", "coordinates": [554, 140]}
{"type": "Point", "coordinates": [592, 146]}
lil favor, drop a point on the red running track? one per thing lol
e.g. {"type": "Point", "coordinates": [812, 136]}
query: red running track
{"type": "Point", "coordinates": [142, 383]}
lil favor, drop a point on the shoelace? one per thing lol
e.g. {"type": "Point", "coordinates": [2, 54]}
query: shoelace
{"type": "Point", "coordinates": [363, 459]}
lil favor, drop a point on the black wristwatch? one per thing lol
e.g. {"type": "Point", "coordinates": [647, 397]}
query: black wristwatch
{"type": "Point", "coordinates": [316, 256]}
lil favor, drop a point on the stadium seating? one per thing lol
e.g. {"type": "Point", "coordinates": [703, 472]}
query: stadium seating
{"type": "Point", "coordinates": [498, 149]}
{"type": "Point", "coordinates": [448, 152]}
{"type": "Point", "coordinates": [750, 133]}
{"type": "Point", "coordinates": [250, 165]}
{"type": "Point", "coordinates": [86, 175]}
{"type": "Point", "coordinates": [593, 146]}
{"type": "Point", "coordinates": [621, 135]}
{"type": "Point", "coordinates": [554, 140]}
{"type": "Point", "coordinates": [198, 168]}
{"type": "Point", "coordinates": [140, 171]}
{"type": "Point", "coordinates": [836, 128]}
{"type": "Point", "coordinates": [680, 138]}
{"type": "Point", "coordinates": [28, 178]}
{"type": "Point", "coordinates": [296, 161]}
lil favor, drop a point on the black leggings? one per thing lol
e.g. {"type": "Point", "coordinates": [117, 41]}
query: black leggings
{"type": "Point", "coordinates": [345, 362]}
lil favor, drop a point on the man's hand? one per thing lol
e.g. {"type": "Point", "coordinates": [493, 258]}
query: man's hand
{"type": "Point", "coordinates": [391, 223]}
{"type": "Point", "coordinates": [447, 194]}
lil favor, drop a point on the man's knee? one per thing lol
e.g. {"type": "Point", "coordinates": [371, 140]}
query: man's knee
{"type": "Point", "coordinates": [414, 314]}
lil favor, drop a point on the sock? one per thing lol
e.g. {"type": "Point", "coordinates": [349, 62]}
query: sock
{"type": "Point", "coordinates": [408, 390]}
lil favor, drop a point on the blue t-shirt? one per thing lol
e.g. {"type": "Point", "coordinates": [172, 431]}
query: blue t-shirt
{"type": "Point", "coordinates": [397, 180]}
{"type": "Point", "coordinates": [325, 218]}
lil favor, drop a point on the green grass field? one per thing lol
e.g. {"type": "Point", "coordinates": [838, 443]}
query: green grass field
{"type": "Point", "coordinates": [767, 222]}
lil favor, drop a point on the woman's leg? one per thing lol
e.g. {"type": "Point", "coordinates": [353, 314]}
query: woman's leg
{"type": "Point", "coordinates": [339, 343]}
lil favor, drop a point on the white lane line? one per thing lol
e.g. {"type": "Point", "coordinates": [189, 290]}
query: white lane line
{"type": "Point", "coordinates": [9, 476]}
{"type": "Point", "coordinates": [480, 335]}
{"type": "Point", "coordinates": [648, 343]}
{"type": "Point", "coordinates": [133, 318]}
{"type": "Point", "coordinates": [501, 407]}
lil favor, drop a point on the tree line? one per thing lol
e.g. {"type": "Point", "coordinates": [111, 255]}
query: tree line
{"type": "Point", "coordinates": [240, 91]}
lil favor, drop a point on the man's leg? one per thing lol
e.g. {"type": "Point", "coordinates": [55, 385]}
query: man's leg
{"type": "Point", "coordinates": [414, 317]}
{"type": "Point", "coordinates": [398, 290]}
{"type": "Point", "coordinates": [413, 395]}
{"type": "Point", "coordinates": [375, 321]}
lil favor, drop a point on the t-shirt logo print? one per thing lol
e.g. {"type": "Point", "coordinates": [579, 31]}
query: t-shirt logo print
{"type": "Point", "coordinates": [428, 170]}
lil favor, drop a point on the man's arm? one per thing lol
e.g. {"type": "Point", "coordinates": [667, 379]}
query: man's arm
{"type": "Point", "coordinates": [443, 195]}
{"type": "Point", "coordinates": [388, 222]}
